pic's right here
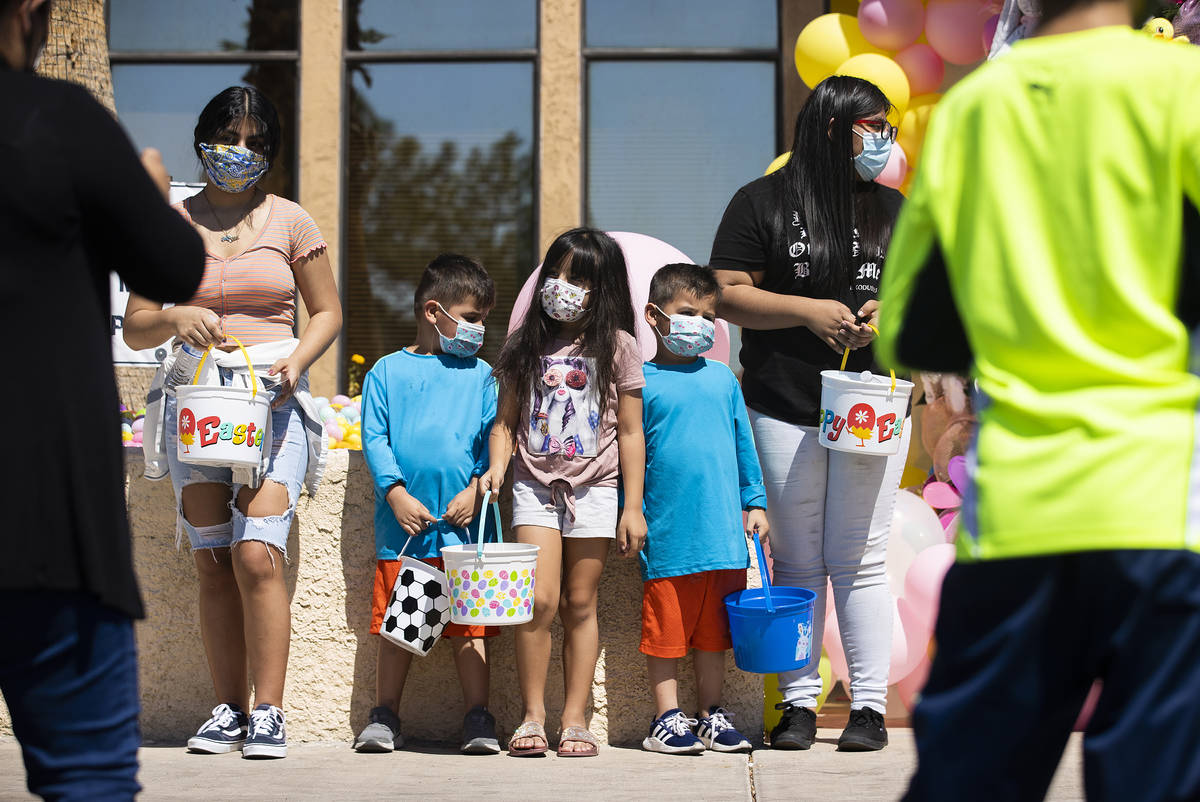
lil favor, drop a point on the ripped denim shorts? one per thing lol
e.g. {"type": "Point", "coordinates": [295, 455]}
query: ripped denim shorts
{"type": "Point", "coordinates": [287, 466]}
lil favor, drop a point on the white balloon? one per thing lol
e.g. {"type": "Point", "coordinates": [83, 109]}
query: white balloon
{"type": "Point", "coordinates": [915, 527]}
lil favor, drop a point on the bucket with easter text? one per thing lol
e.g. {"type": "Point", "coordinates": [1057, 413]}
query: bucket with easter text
{"type": "Point", "coordinates": [223, 426]}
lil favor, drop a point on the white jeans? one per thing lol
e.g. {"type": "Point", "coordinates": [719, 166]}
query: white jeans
{"type": "Point", "coordinates": [830, 513]}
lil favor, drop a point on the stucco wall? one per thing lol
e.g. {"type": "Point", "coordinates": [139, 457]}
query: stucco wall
{"type": "Point", "coordinates": [331, 670]}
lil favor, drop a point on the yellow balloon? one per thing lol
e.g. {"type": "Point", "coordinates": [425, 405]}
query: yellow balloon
{"type": "Point", "coordinates": [780, 160]}
{"type": "Point", "coordinates": [825, 43]}
{"type": "Point", "coordinates": [884, 73]}
{"type": "Point", "coordinates": [914, 124]}
{"type": "Point", "coordinates": [772, 697]}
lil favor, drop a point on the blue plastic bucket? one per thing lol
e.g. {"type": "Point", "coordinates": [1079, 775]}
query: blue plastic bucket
{"type": "Point", "coordinates": [771, 626]}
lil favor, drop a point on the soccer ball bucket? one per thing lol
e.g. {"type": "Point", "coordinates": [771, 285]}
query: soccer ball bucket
{"type": "Point", "coordinates": [418, 609]}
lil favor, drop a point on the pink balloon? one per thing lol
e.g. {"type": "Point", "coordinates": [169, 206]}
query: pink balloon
{"type": "Point", "coordinates": [833, 643]}
{"type": "Point", "coordinates": [891, 24]}
{"type": "Point", "coordinates": [909, 688]}
{"type": "Point", "coordinates": [954, 29]}
{"type": "Point", "coordinates": [643, 257]}
{"type": "Point", "coordinates": [924, 68]}
{"type": "Point", "coordinates": [941, 496]}
{"type": "Point", "coordinates": [923, 584]}
{"type": "Point", "coordinates": [895, 170]}
{"type": "Point", "coordinates": [910, 640]}
{"type": "Point", "coordinates": [949, 521]}
{"type": "Point", "coordinates": [989, 32]}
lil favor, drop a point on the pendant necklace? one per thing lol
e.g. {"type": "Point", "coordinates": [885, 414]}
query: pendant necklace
{"type": "Point", "coordinates": [227, 236]}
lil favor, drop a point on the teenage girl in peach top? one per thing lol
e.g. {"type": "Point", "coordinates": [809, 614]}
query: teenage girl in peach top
{"type": "Point", "coordinates": [263, 250]}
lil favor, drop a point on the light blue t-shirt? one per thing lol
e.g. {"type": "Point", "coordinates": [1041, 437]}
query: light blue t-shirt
{"type": "Point", "coordinates": [425, 422]}
{"type": "Point", "coordinates": [701, 469]}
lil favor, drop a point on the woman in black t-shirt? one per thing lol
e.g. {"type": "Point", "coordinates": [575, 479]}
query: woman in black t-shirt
{"type": "Point", "coordinates": [799, 254]}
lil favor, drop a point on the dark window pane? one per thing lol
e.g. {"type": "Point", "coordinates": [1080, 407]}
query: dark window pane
{"type": "Point", "coordinates": [159, 103]}
{"type": "Point", "coordinates": [425, 176]}
{"type": "Point", "coordinates": [202, 25]}
{"type": "Point", "coordinates": [441, 24]}
{"type": "Point", "coordinates": [681, 23]}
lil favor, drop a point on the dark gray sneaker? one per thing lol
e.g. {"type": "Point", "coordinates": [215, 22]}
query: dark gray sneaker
{"type": "Point", "coordinates": [268, 736]}
{"type": "Point", "coordinates": [797, 728]}
{"type": "Point", "coordinates": [479, 733]}
{"type": "Point", "coordinates": [382, 733]}
{"type": "Point", "coordinates": [864, 732]}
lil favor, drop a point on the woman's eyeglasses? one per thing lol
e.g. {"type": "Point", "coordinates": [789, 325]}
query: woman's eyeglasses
{"type": "Point", "coordinates": [881, 128]}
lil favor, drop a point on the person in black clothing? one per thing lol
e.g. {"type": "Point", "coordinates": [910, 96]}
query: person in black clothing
{"type": "Point", "coordinates": [799, 254]}
{"type": "Point", "coordinates": [75, 203]}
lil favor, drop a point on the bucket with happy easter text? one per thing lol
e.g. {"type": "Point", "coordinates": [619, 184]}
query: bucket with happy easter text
{"type": "Point", "coordinates": [491, 583]}
{"type": "Point", "coordinates": [222, 426]}
{"type": "Point", "coordinates": [771, 627]}
{"type": "Point", "coordinates": [862, 413]}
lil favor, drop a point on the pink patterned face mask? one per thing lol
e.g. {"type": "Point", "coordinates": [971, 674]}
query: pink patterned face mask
{"type": "Point", "coordinates": [690, 335]}
{"type": "Point", "coordinates": [562, 300]}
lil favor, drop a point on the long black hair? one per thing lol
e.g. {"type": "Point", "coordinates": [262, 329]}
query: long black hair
{"type": "Point", "coordinates": [819, 181]}
{"type": "Point", "coordinates": [229, 108]}
{"type": "Point", "coordinates": [596, 259]}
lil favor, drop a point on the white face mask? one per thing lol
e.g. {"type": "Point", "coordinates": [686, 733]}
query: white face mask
{"type": "Point", "coordinates": [562, 300]}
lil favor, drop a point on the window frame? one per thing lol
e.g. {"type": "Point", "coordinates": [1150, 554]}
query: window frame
{"type": "Point", "coordinates": [589, 54]}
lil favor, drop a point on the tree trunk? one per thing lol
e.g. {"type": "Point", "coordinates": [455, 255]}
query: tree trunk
{"type": "Point", "coordinates": [77, 50]}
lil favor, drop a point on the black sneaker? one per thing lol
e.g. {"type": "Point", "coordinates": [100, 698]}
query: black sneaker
{"type": "Point", "coordinates": [382, 733]}
{"type": "Point", "coordinates": [224, 732]}
{"type": "Point", "coordinates": [864, 733]}
{"type": "Point", "coordinates": [479, 733]}
{"type": "Point", "coordinates": [267, 737]}
{"type": "Point", "coordinates": [797, 728]}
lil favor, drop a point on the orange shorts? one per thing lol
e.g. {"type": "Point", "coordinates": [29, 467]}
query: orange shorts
{"type": "Point", "coordinates": [386, 572]}
{"type": "Point", "coordinates": [688, 612]}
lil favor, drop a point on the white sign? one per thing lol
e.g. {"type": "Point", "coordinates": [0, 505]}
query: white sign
{"type": "Point", "coordinates": [122, 353]}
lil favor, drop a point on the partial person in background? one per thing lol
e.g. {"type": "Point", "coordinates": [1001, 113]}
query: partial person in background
{"type": "Point", "coordinates": [1051, 246]}
{"type": "Point", "coordinates": [799, 253]}
{"type": "Point", "coordinates": [75, 204]}
{"type": "Point", "coordinates": [264, 253]}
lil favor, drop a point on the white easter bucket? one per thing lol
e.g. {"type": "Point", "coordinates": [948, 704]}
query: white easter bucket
{"type": "Point", "coordinates": [419, 607]}
{"type": "Point", "coordinates": [491, 583]}
{"type": "Point", "coordinates": [861, 412]}
{"type": "Point", "coordinates": [222, 426]}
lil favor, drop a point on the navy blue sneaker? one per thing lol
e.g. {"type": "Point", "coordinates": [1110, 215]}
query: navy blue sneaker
{"type": "Point", "coordinates": [671, 733]}
{"type": "Point", "coordinates": [267, 737]}
{"type": "Point", "coordinates": [717, 732]}
{"type": "Point", "coordinates": [224, 732]}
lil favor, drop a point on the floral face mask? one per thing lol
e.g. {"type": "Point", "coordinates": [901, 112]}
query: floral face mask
{"type": "Point", "coordinates": [562, 300]}
{"type": "Point", "coordinates": [232, 168]}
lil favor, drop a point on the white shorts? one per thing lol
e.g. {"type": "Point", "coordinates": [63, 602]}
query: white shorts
{"type": "Point", "coordinates": [595, 510]}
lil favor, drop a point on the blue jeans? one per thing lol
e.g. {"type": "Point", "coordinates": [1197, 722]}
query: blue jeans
{"type": "Point", "coordinates": [1019, 643]}
{"type": "Point", "coordinates": [68, 672]}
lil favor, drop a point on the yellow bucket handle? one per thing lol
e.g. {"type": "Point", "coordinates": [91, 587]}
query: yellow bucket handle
{"type": "Point", "coordinates": [846, 356]}
{"type": "Point", "coordinates": [250, 365]}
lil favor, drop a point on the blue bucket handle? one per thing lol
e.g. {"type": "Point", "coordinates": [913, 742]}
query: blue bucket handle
{"type": "Point", "coordinates": [763, 574]}
{"type": "Point", "coordinates": [495, 506]}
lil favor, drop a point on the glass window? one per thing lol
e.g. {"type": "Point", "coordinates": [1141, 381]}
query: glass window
{"type": "Point", "coordinates": [670, 142]}
{"type": "Point", "coordinates": [162, 26]}
{"type": "Point", "coordinates": [439, 158]}
{"type": "Point", "coordinates": [682, 23]}
{"type": "Point", "coordinates": [159, 103]}
{"type": "Point", "coordinates": [441, 24]}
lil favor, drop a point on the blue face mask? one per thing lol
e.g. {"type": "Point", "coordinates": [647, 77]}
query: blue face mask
{"type": "Point", "coordinates": [466, 340]}
{"type": "Point", "coordinates": [874, 157]}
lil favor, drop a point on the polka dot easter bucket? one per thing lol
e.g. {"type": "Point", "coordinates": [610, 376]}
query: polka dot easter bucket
{"type": "Point", "coordinates": [491, 583]}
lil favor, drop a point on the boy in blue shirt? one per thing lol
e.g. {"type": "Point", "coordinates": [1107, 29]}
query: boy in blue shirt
{"type": "Point", "coordinates": [701, 473]}
{"type": "Point", "coordinates": [427, 412]}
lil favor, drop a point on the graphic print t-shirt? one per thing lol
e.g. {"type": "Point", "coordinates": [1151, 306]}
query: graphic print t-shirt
{"type": "Point", "coordinates": [562, 433]}
{"type": "Point", "coordinates": [783, 367]}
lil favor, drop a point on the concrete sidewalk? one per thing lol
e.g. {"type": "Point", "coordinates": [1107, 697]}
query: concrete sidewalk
{"type": "Point", "coordinates": [320, 772]}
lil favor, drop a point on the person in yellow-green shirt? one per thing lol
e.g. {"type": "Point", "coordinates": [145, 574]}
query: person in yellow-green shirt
{"type": "Point", "coordinates": [1051, 246]}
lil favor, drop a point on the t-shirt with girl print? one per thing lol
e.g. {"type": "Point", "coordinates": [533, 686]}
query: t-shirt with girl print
{"type": "Point", "coordinates": [782, 367]}
{"type": "Point", "coordinates": [254, 292]}
{"type": "Point", "coordinates": [562, 433]}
